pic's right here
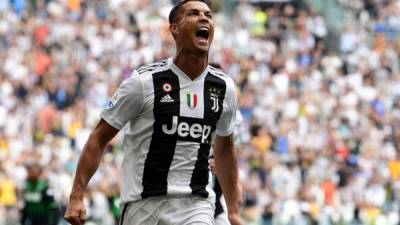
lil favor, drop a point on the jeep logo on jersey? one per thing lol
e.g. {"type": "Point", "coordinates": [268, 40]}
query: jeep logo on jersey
{"type": "Point", "coordinates": [189, 131]}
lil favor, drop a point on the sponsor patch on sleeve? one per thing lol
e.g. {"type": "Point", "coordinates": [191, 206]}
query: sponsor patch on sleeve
{"type": "Point", "coordinates": [113, 101]}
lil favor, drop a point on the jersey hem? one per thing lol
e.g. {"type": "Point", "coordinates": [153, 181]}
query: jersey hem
{"type": "Point", "coordinates": [224, 134]}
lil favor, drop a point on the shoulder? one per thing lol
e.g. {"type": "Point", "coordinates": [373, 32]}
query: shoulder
{"type": "Point", "coordinates": [140, 74]}
{"type": "Point", "coordinates": [218, 73]}
{"type": "Point", "coordinates": [152, 67]}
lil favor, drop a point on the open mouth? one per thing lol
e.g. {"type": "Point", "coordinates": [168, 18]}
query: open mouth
{"type": "Point", "coordinates": [202, 34]}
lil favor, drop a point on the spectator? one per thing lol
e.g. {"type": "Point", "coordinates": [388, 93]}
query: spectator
{"type": "Point", "coordinates": [39, 204]}
{"type": "Point", "coordinates": [319, 125]}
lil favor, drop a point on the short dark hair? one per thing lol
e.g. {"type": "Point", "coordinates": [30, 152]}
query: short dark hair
{"type": "Point", "coordinates": [173, 15]}
{"type": "Point", "coordinates": [216, 65]}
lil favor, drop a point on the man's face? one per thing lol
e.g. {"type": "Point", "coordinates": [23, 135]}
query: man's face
{"type": "Point", "coordinates": [195, 27]}
{"type": "Point", "coordinates": [34, 173]}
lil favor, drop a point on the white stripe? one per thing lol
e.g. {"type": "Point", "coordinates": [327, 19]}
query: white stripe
{"type": "Point", "coordinates": [194, 88]}
{"type": "Point", "coordinates": [182, 166]}
{"type": "Point", "coordinates": [209, 188]}
{"type": "Point", "coordinates": [149, 118]}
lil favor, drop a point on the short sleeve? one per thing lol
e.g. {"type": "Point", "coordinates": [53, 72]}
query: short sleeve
{"type": "Point", "coordinates": [126, 103]}
{"type": "Point", "coordinates": [226, 123]}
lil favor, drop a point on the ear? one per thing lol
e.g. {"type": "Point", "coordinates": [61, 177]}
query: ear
{"type": "Point", "coordinates": [174, 28]}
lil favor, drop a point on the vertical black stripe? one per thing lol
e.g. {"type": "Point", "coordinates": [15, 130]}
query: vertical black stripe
{"type": "Point", "coordinates": [121, 220]}
{"type": "Point", "coordinates": [200, 174]}
{"type": "Point", "coordinates": [162, 146]}
{"type": "Point", "coordinates": [218, 194]}
{"type": "Point", "coordinates": [214, 88]}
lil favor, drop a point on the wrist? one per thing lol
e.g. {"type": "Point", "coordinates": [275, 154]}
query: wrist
{"type": "Point", "coordinates": [76, 196]}
{"type": "Point", "coordinates": [233, 210]}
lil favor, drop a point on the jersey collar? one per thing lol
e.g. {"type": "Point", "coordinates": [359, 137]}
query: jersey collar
{"type": "Point", "coordinates": [180, 73]}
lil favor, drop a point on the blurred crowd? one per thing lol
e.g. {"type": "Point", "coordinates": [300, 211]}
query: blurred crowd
{"type": "Point", "coordinates": [320, 137]}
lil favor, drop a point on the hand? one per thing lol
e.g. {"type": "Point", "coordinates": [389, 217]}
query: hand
{"type": "Point", "coordinates": [234, 219]}
{"type": "Point", "coordinates": [76, 212]}
{"type": "Point", "coordinates": [240, 190]}
{"type": "Point", "coordinates": [212, 167]}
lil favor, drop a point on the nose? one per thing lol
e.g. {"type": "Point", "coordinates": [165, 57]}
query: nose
{"type": "Point", "coordinates": [203, 17]}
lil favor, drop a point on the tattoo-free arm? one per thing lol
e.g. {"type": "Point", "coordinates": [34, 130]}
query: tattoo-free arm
{"type": "Point", "coordinates": [227, 172]}
{"type": "Point", "coordinates": [88, 163]}
{"type": "Point", "coordinates": [91, 156]}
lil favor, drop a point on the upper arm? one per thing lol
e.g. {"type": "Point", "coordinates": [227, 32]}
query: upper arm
{"type": "Point", "coordinates": [126, 103]}
{"type": "Point", "coordinates": [104, 132]}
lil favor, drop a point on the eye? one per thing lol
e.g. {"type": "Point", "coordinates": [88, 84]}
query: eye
{"type": "Point", "coordinates": [209, 16]}
{"type": "Point", "coordinates": [192, 13]}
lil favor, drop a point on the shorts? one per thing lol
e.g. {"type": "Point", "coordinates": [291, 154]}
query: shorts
{"type": "Point", "coordinates": [163, 210]}
{"type": "Point", "coordinates": [222, 219]}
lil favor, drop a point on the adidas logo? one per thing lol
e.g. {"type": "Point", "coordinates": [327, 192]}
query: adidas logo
{"type": "Point", "coordinates": [166, 98]}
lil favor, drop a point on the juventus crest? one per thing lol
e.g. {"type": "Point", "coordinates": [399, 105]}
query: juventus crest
{"type": "Point", "coordinates": [214, 96]}
{"type": "Point", "coordinates": [215, 105]}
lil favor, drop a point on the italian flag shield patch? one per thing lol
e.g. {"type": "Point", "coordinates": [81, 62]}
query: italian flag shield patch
{"type": "Point", "coordinates": [191, 100]}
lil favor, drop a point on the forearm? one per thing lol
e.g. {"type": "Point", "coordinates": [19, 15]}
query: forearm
{"type": "Point", "coordinates": [227, 173]}
{"type": "Point", "coordinates": [87, 165]}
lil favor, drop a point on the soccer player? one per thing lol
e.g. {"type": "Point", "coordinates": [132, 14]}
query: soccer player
{"type": "Point", "coordinates": [172, 112]}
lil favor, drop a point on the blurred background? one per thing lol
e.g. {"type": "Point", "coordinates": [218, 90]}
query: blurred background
{"type": "Point", "coordinates": [319, 93]}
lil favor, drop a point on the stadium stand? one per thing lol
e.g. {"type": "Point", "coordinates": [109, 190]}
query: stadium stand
{"type": "Point", "coordinates": [320, 138]}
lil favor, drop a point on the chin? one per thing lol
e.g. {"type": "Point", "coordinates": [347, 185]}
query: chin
{"type": "Point", "coordinates": [202, 49]}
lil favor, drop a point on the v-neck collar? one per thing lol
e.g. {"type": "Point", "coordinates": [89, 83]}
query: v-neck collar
{"type": "Point", "coordinates": [182, 74]}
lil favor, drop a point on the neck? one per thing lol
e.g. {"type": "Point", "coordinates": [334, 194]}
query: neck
{"type": "Point", "coordinates": [191, 64]}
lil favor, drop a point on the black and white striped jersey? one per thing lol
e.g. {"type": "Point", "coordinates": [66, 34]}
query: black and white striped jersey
{"type": "Point", "coordinates": [171, 122]}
